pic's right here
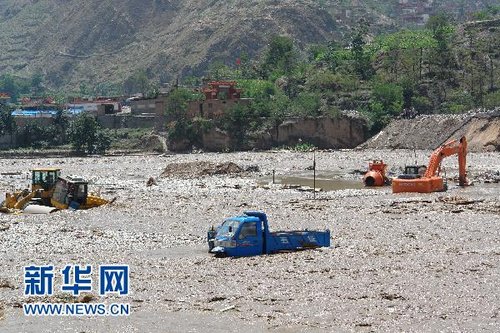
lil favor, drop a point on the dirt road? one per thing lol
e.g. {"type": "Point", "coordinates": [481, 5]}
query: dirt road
{"type": "Point", "coordinates": [406, 262]}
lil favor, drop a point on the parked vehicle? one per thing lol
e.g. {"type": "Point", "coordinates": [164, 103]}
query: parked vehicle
{"type": "Point", "coordinates": [249, 235]}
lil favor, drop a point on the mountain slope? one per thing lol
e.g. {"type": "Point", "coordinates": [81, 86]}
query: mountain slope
{"type": "Point", "coordinates": [93, 41]}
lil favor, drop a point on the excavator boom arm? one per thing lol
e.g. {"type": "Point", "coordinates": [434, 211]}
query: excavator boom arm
{"type": "Point", "coordinates": [458, 147]}
{"type": "Point", "coordinates": [462, 162]}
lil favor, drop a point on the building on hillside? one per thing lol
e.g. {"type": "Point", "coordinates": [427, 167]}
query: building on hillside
{"type": "Point", "coordinates": [418, 12]}
{"type": "Point", "coordinates": [34, 102]}
{"type": "Point", "coordinates": [4, 98]}
{"type": "Point", "coordinates": [415, 12]}
{"type": "Point", "coordinates": [40, 116]}
{"type": "Point", "coordinates": [147, 106]}
{"type": "Point", "coordinates": [219, 97]}
{"type": "Point", "coordinates": [39, 110]}
{"type": "Point", "coordinates": [99, 106]}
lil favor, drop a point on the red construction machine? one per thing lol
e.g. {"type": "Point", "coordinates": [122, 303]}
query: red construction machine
{"type": "Point", "coordinates": [430, 180]}
{"type": "Point", "coordinates": [376, 174]}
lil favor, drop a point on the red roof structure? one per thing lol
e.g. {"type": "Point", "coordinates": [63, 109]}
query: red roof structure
{"type": "Point", "coordinates": [221, 90]}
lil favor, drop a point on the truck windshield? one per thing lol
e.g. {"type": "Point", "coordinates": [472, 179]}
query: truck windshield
{"type": "Point", "coordinates": [228, 228]}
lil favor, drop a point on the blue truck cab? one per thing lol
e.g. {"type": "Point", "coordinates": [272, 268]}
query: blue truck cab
{"type": "Point", "coordinates": [249, 235]}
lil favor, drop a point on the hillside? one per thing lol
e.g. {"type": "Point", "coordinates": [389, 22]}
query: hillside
{"type": "Point", "coordinates": [70, 42]}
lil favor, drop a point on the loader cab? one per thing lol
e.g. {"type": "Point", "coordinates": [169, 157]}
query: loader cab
{"type": "Point", "coordinates": [43, 181]}
{"type": "Point", "coordinates": [70, 192]}
{"type": "Point", "coordinates": [44, 178]}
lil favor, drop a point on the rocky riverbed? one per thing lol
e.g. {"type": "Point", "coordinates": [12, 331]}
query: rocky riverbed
{"type": "Point", "coordinates": [406, 262]}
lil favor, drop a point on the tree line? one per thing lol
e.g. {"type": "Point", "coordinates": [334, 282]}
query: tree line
{"type": "Point", "coordinates": [442, 68]}
{"type": "Point", "coordinates": [82, 133]}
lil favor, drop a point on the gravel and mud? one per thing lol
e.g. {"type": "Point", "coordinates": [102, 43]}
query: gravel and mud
{"type": "Point", "coordinates": [406, 262]}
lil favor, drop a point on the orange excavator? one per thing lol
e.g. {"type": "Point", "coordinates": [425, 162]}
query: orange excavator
{"type": "Point", "coordinates": [430, 180]}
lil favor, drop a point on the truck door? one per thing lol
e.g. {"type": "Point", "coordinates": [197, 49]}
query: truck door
{"type": "Point", "coordinates": [250, 239]}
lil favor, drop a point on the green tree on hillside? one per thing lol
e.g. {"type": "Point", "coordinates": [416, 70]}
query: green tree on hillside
{"type": "Point", "coordinates": [401, 55]}
{"type": "Point", "coordinates": [61, 124]}
{"type": "Point", "coordinates": [386, 102]}
{"type": "Point", "coordinates": [139, 82]}
{"type": "Point", "coordinates": [257, 89]}
{"type": "Point", "coordinates": [280, 58]}
{"type": "Point", "coordinates": [218, 71]}
{"type": "Point", "coordinates": [37, 83]}
{"type": "Point", "coordinates": [442, 31]}
{"type": "Point", "coordinates": [479, 62]}
{"type": "Point", "coordinates": [361, 54]}
{"type": "Point", "coordinates": [14, 86]}
{"type": "Point", "coordinates": [179, 126]}
{"type": "Point", "coordinates": [35, 135]}
{"type": "Point", "coordinates": [86, 136]}
{"type": "Point", "coordinates": [7, 122]}
{"type": "Point", "coordinates": [489, 13]}
{"type": "Point", "coordinates": [237, 121]}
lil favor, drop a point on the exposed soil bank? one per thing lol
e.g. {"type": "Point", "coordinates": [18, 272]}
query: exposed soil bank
{"type": "Point", "coordinates": [430, 131]}
{"type": "Point", "coordinates": [342, 132]}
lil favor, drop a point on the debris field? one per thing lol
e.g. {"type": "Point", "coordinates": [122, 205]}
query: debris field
{"type": "Point", "coordinates": [398, 262]}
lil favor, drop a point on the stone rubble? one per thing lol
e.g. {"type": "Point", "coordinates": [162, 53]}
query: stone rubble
{"type": "Point", "coordinates": [405, 262]}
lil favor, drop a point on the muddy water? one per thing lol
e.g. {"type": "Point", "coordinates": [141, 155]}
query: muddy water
{"type": "Point", "coordinates": [326, 180]}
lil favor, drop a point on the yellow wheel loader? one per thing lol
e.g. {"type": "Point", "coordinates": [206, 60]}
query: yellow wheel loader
{"type": "Point", "coordinates": [43, 181]}
{"type": "Point", "coordinates": [72, 192]}
{"type": "Point", "coordinates": [49, 189]}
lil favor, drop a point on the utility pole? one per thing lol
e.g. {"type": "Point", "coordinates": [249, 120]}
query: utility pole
{"type": "Point", "coordinates": [314, 174]}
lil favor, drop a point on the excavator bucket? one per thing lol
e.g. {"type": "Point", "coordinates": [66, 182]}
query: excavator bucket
{"type": "Point", "coordinates": [10, 200]}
